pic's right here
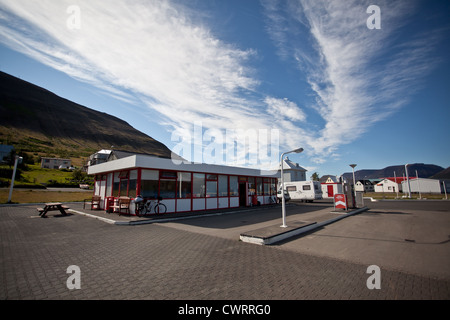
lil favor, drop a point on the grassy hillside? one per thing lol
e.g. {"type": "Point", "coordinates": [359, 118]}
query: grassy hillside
{"type": "Point", "coordinates": [40, 123]}
{"type": "Point", "coordinates": [36, 146]}
{"type": "Point", "coordinates": [32, 176]}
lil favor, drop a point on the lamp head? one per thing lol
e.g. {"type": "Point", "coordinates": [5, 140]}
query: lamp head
{"type": "Point", "coordinates": [352, 165]}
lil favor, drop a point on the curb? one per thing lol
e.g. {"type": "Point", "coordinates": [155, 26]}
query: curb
{"type": "Point", "coordinates": [159, 220]}
{"type": "Point", "coordinates": [93, 216]}
{"type": "Point", "coordinates": [277, 237]}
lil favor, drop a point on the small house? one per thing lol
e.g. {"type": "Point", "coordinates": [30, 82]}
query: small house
{"type": "Point", "coordinates": [331, 185]}
{"type": "Point", "coordinates": [55, 163]}
{"type": "Point", "coordinates": [364, 186]}
{"type": "Point", "coordinates": [292, 171]}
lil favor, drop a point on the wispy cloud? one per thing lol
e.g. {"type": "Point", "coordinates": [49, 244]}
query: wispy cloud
{"type": "Point", "coordinates": [355, 80]}
{"type": "Point", "coordinates": [284, 109]}
{"type": "Point", "coordinates": [160, 53]}
{"type": "Point", "coordinates": [154, 50]}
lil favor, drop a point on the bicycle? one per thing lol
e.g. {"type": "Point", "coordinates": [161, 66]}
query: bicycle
{"type": "Point", "coordinates": [146, 208]}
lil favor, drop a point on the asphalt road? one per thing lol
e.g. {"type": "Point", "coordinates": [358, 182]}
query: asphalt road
{"type": "Point", "coordinates": [410, 236]}
{"type": "Point", "coordinates": [203, 259]}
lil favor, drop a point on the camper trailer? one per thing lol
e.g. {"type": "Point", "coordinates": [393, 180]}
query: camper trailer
{"type": "Point", "coordinates": [307, 191]}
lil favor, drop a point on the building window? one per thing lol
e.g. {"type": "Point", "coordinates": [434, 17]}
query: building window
{"type": "Point", "coordinates": [116, 184]}
{"type": "Point", "coordinates": [184, 185]}
{"type": "Point", "coordinates": [149, 183]}
{"type": "Point", "coordinates": [123, 175]}
{"type": "Point", "coordinates": [223, 186]}
{"type": "Point", "coordinates": [132, 184]}
{"type": "Point", "coordinates": [259, 186]}
{"type": "Point", "coordinates": [251, 186]}
{"type": "Point", "coordinates": [198, 185]}
{"type": "Point", "coordinates": [266, 186]}
{"type": "Point", "coordinates": [168, 184]}
{"type": "Point", "coordinates": [273, 187]}
{"type": "Point", "coordinates": [168, 175]}
{"type": "Point", "coordinates": [211, 185]}
{"type": "Point", "coordinates": [234, 186]}
{"type": "Point", "coordinates": [123, 187]}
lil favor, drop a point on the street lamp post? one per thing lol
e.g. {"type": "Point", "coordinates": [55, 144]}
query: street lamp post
{"type": "Point", "coordinates": [17, 159]}
{"type": "Point", "coordinates": [407, 179]}
{"type": "Point", "coordinates": [283, 202]}
{"type": "Point", "coordinates": [354, 182]}
{"type": "Point", "coordinates": [418, 185]}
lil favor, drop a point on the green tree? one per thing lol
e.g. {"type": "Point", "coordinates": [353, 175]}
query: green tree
{"type": "Point", "coordinates": [315, 176]}
{"type": "Point", "coordinates": [78, 175]}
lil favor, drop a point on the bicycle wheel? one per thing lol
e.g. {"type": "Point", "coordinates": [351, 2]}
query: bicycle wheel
{"type": "Point", "coordinates": [160, 208]}
{"type": "Point", "coordinates": [139, 210]}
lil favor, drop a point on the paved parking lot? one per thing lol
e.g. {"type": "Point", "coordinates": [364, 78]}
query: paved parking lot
{"type": "Point", "coordinates": [202, 258]}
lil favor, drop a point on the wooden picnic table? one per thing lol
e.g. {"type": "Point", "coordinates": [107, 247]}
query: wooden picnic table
{"type": "Point", "coordinates": [53, 206]}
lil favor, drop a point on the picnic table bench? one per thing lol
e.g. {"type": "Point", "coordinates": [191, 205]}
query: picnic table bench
{"type": "Point", "coordinates": [122, 203]}
{"type": "Point", "coordinates": [94, 202]}
{"type": "Point", "coordinates": [53, 206]}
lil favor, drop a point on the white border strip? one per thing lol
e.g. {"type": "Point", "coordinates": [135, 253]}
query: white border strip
{"type": "Point", "coordinates": [94, 216]}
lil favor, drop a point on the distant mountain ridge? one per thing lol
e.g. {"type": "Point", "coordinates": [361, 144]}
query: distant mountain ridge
{"type": "Point", "coordinates": [423, 170]}
{"type": "Point", "coordinates": [444, 174]}
{"type": "Point", "coordinates": [39, 121]}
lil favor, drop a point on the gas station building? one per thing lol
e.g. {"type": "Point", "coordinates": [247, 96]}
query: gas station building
{"type": "Point", "coordinates": [182, 185]}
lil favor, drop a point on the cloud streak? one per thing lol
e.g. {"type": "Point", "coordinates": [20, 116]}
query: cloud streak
{"type": "Point", "coordinates": [161, 54]}
{"type": "Point", "coordinates": [148, 49]}
{"type": "Point", "coordinates": [355, 83]}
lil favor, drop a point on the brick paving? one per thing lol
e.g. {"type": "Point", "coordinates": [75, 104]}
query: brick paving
{"type": "Point", "coordinates": [156, 261]}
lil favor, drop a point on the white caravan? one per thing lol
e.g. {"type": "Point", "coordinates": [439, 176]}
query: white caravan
{"type": "Point", "coordinates": [304, 190]}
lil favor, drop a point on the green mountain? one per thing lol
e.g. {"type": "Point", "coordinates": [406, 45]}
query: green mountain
{"type": "Point", "coordinates": [41, 123]}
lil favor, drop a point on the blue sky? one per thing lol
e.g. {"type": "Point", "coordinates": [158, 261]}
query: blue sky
{"type": "Point", "coordinates": [283, 74]}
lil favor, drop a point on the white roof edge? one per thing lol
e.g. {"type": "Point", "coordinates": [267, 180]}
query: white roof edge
{"type": "Point", "coordinates": [142, 161]}
{"type": "Point", "coordinates": [128, 162]}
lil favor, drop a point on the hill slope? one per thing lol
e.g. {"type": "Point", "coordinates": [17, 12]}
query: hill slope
{"type": "Point", "coordinates": [423, 170]}
{"type": "Point", "coordinates": [36, 120]}
{"type": "Point", "coordinates": [444, 174]}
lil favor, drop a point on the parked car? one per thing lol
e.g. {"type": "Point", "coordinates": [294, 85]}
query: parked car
{"type": "Point", "coordinates": [286, 196]}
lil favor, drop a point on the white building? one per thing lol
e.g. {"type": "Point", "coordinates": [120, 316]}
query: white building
{"type": "Point", "coordinates": [388, 185]}
{"type": "Point", "coordinates": [422, 185]}
{"type": "Point", "coordinates": [183, 186]}
{"type": "Point", "coordinates": [99, 157]}
{"type": "Point", "coordinates": [292, 171]}
{"type": "Point", "coordinates": [55, 163]}
{"type": "Point", "coordinates": [331, 186]}
{"type": "Point", "coordinates": [364, 186]}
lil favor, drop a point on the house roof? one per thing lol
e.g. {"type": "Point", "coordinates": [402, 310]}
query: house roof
{"type": "Point", "coordinates": [365, 182]}
{"type": "Point", "coordinates": [151, 162]}
{"type": "Point", "coordinates": [324, 178]}
{"type": "Point", "coordinates": [399, 179]}
{"type": "Point", "coordinates": [289, 165]}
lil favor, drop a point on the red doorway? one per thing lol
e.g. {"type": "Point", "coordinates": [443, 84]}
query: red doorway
{"type": "Point", "coordinates": [330, 190]}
